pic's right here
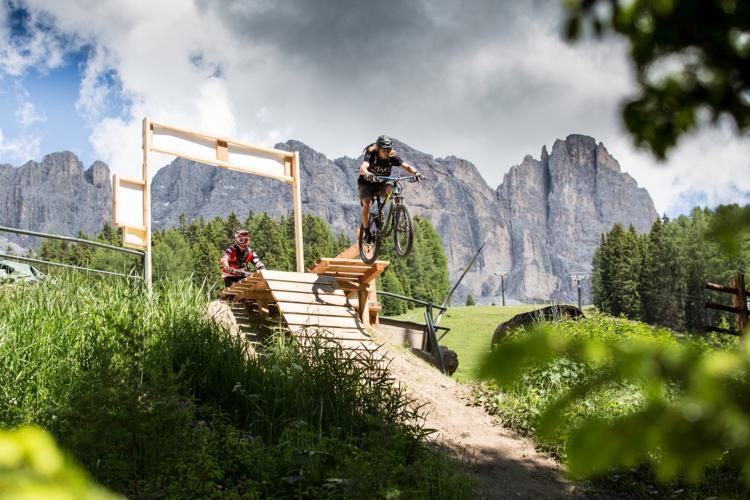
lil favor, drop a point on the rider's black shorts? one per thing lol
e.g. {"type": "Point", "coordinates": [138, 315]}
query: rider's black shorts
{"type": "Point", "coordinates": [370, 189]}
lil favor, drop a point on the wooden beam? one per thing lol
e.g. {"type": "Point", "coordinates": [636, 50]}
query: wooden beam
{"type": "Point", "coordinates": [721, 330]}
{"type": "Point", "coordinates": [720, 288]}
{"type": "Point", "coordinates": [310, 298]}
{"type": "Point", "coordinates": [134, 183]}
{"type": "Point", "coordinates": [319, 309]}
{"type": "Point", "coordinates": [298, 277]}
{"type": "Point", "coordinates": [739, 301]}
{"type": "Point", "coordinates": [722, 307]}
{"type": "Point", "coordinates": [222, 151]}
{"type": "Point", "coordinates": [271, 153]}
{"type": "Point", "coordinates": [364, 308]}
{"type": "Point", "coordinates": [223, 164]}
{"type": "Point", "coordinates": [115, 190]}
{"type": "Point", "coordinates": [297, 208]}
{"type": "Point", "coordinates": [315, 321]}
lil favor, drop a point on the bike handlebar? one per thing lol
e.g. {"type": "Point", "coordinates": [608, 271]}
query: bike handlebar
{"type": "Point", "coordinates": [386, 178]}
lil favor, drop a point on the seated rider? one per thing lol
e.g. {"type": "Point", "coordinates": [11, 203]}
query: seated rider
{"type": "Point", "coordinates": [234, 262]}
{"type": "Point", "coordinates": [379, 158]}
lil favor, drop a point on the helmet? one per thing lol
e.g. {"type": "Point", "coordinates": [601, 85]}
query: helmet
{"type": "Point", "coordinates": [242, 238]}
{"type": "Point", "coordinates": [384, 142]}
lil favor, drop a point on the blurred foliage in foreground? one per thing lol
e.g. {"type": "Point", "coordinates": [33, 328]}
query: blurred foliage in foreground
{"type": "Point", "coordinates": [681, 407]}
{"type": "Point", "coordinates": [692, 61]}
{"type": "Point", "coordinates": [31, 466]}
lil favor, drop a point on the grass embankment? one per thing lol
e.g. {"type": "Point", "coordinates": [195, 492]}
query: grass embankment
{"type": "Point", "coordinates": [471, 332]}
{"type": "Point", "coordinates": [156, 400]}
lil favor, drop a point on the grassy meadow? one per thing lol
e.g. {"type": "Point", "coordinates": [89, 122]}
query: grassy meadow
{"type": "Point", "coordinates": [471, 332]}
{"type": "Point", "coordinates": [155, 400]}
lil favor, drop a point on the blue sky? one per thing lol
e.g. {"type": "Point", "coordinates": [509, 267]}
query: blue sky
{"type": "Point", "coordinates": [489, 81]}
{"type": "Point", "coordinates": [53, 94]}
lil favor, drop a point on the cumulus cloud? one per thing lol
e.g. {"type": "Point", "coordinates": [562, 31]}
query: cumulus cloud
{"type": "Point", "coordinates": [18, 149]}
{"type": "Point", "coordinates": [27, 115]}
{"type": "Point", "coordinates": [488, 80]}
{"type": "Point", "coordinates": [39, 46]}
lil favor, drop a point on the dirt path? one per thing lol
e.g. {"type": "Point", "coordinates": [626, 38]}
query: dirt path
{"type": "Point", "coordinates": [506, 464]}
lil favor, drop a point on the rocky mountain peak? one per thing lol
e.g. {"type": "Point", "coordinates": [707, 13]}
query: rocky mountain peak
{"type": "Point", "coordinates": [541, 224]}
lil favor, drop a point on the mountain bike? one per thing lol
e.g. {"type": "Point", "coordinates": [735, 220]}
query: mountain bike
{"type": "Point", "coordinates": [397, 220]}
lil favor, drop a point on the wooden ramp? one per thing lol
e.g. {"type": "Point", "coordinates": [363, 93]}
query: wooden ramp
{"type": "Point", "coordinates": [317, 304]}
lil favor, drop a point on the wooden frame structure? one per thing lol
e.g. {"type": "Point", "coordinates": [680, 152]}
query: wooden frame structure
{"type": "Point", "coordinates": [225, 153]}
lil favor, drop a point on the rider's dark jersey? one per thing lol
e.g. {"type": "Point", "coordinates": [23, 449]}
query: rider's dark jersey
{"type": "Point", "coordinates": [378, 165]}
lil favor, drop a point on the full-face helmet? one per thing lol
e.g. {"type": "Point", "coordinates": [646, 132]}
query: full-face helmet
{"type": "Point", "coordinates": [242, 238]}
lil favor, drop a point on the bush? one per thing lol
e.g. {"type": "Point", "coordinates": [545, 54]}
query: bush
{"type": "Point", "coordinates": [608, 394]}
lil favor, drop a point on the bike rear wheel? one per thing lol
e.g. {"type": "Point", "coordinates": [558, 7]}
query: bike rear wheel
{"type": "Point", "coordinates": [369, 252]}
{"type": "Point", "coordinates": [403, 233]}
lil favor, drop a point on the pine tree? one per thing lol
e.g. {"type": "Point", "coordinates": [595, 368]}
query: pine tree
{"type": "Point", "coordinates": [470, 300]}
{"type": "Point", "coordinates": [172, 256]}
{"type": "Point", "coordinates": [664, 286]}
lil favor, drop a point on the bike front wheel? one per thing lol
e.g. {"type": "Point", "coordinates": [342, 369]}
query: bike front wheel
{"type": "Point", "coordinates": [368, 251]}
{"type": "Point", "coordinates": [403, 232]}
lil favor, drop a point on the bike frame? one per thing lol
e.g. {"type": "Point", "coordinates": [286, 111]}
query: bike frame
{"type": "Point", "coordinates": [385, 225]}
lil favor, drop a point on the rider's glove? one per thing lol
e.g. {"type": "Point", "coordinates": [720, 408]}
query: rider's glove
{"type": "Point", "coordinates": [418, 176]}
{"type": "Point", "coordinates": [260, 266]}
{"type": "Point", "coordinates": [370, 177]}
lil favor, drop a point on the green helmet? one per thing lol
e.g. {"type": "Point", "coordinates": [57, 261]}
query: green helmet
{"type": "Point", "coordinates": [384, 142]}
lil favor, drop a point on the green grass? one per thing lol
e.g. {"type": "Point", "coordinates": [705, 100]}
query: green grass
{"type": "Point", "coordinates": [156, 400]}
{"type": "Point", "coordinates": [471, 332]}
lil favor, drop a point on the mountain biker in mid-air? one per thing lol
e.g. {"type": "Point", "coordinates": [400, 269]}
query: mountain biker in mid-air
{"type": "Point", "coordinates": [234, 262]}
{"type": "Point", "coordinates": [379, 158]}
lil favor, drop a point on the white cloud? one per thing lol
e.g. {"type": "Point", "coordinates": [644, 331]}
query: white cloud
{"type": "Point", "coordinates": [709, 168]}
{"type": "Point", "coordinates": [18, 149]}
{"type": "Point", "coordinates": [489, 81]}
{"type": "Point", "coordinates": [42, 48]}
{"type": "Point", "coordinates": [27, 115]}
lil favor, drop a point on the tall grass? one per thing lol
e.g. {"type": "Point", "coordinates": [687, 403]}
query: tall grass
{"type": "Point", "coordinates": [155, 399]}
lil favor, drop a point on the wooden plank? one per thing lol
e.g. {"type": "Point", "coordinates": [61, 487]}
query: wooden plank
{"type": "Point", "coordinates": [222, 164]}
{"type": "Point", "coordinates": [136, 183]}
{"type": "Point", "coordinates": [721, 330]}
{"type": "Point", "coordinates": [722, 307]}
{"type": "Point", "coordinates": [374, 273]}
{"type": "Point", "coordinates": [309, 298]}
{"type": "Point", "coordinates": [739, 301]}
{"type": "Point", "coordinates": [330, 333]}
{"type": "Point", "coordinates": [313, 288]}
{"type": "Point", "coordinates": [352, 272]}
{"type": "Point", "coordinates": [322, 321]}
{"type": "Point", "coordinates": [254, 295]}
{"type": "Point", "coordinates": [320, 309]}
{"type": "Point", "coordinates": [297, 277]}
{"type": "Point", "coordinates": [349, 262]}
{"type": "Point", "coordinates": [250, 148]}
{"type": "Point", "coordinates": [222, 150]}
{"type": "Point", "coordinates": [720, 288]}
{"type": "Point", "coordinates": [297, 209]}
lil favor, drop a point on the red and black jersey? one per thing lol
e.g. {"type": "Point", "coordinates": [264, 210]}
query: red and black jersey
{"type": "Point", "coordinates": [239, 258]}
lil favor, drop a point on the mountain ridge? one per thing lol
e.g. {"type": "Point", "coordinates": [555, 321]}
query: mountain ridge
{"type": "Point", "coordinates": [541, 223]}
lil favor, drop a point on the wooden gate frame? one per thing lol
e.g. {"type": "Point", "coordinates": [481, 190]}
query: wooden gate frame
{"type": "Point", "coordinates": [291, 175]}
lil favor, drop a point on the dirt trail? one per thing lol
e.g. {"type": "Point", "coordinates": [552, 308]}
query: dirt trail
{"type": "Point", "coordinates": [506, 464]}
